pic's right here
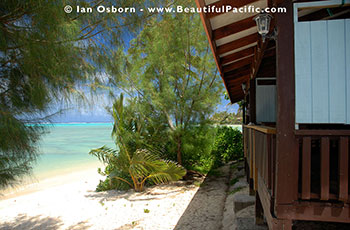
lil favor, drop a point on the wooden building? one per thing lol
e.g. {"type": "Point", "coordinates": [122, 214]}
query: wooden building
{"type": "Point", "coordinates": [296, 89]}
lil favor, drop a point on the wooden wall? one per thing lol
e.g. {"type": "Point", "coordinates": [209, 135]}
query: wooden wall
{"type": "Point", "coordinates": [322, 71]}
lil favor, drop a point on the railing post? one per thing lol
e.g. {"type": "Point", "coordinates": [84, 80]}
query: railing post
{"type": "Point", "coordinates": [324, 168]}
{"type": "Point", "coordinates": [343, 168]}
{"type": "Point", "coordinates": [269, 160]}
{"type": "Point", "coordinates": [306, 168]}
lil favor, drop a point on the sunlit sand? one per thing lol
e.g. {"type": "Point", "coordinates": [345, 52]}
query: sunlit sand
{"type": "Point", "coordinates": [70, 202]}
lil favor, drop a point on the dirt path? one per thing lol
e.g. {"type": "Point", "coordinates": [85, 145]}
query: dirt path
{"type": "Point", "coordinates": [207, 206]}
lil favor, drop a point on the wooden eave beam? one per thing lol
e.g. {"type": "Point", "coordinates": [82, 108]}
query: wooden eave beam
{"type": "Point", "coordinates": [257, 60]}
{"type": "Point", "coordinates": [237, 64]}
{"type": "Point", "coordinates": [234, 28]}
{"type": "Point", "coordinates": [247, 40]}
{"type": "Point", "coordinates": [237, 90]}
{"type": "Point", "coordinates": [238, 55]}
{"type": "Point", "coordinates": [232, 3]}
{"type": "Point", "coordinates": [208, 31]}
{"type": "Point", "coordinates": [238, 80]}
{"type": "Point", "coordinates": [235, 100]}
{"type": "Point", "coordinates": [269, 53]}
{"type": "Point", "coordinates": [237, 72]}
{"type": "Point", "coordinates": [237, 93]}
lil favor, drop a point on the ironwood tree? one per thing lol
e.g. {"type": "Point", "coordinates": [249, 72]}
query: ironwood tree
{"type": "Point", "coordinates": [46, 55]}
{"type": "Point", "coordinates": [169, 66]}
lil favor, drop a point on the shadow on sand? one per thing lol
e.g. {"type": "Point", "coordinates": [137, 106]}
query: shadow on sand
{"type": "Point", "coordinates": [39, 223]}
{"type": "Point", "coordinates": [206, 208]}
{"type": "Point", "coordinates": [130, 195]}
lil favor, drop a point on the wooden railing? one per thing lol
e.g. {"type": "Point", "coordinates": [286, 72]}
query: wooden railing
{"type": "Point", "coordinates": [323, 165]}
{"type": "Point", "coordinates": [260, 152]}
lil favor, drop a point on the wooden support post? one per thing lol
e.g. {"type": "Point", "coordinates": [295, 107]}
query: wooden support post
{"type": "Point", "coordinates": [273, 166]}
{"type": "Point", "coordinates": [287, 154]}
{"type": "Point", "coordinates": [343, 168]}
{"type": "Point", "coordinates": [252, 101]}
{"type": "Point", "coordinates": [251, 147]}
{"type": "Point", "coordinates": [259, 211]}
{"type": "Point", "coordinates": [269, 161]}
{"type": "Point", "coordinates": [324, 168]}
{"type": "Point", "coordinates": [255, 169]}
{"type": "Point", "coordinates": [306, 169]}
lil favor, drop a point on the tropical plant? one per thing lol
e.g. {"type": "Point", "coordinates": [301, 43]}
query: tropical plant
{"type": "Point", "coordinates": [46, 55]}
{"type": "Point", "coordinates": [228, 145]}
{"type": "Point", "coordinates": [171, 67]}
{"type": "Point", "coordinates": [225, 117]}
{"type": "Point", "coordinates": [132, 165]}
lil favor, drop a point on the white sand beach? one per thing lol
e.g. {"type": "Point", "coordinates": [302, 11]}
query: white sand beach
{"type": "Point", "coordinates": [207, 204]}
{"type": "Point", "coordinates": [70, 202]}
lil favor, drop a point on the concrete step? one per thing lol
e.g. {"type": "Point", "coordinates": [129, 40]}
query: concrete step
{"type": "Point", "coordinates": [245, 220]}
{"type": "Point", "coordinates": [242, 201]}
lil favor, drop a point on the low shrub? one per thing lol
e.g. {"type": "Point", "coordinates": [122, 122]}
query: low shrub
{"type": "Point", "coordinates": [228, 145]}
{"type": "Point", "coordinates": [132, 165]}
{"type": "Point", "coordinates": [197, 147]}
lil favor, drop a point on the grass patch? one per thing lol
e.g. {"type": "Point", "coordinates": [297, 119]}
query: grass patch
{"type": "Point", "coordinates": [235, 180]}
{"type": "Point", "coordinates": [102, 203]}
{"type": "Point", "coordinates": [236, 190]}
{"type": "Point", "coordinates": [198, 184]}
{"type": "Point", "coordinates": [201, 169]}
{"type": "Point", "coordinates": [234, 166]}
{"type": "Point", "coordinates": [215, 172]}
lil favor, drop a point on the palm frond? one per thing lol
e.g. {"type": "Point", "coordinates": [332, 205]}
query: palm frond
{"type": "Point", "coordinates": [104, 154]}
{"type": "Point", "coordinates": [169, 171]}
{"type": "Point", "coordinates": [132, 165]}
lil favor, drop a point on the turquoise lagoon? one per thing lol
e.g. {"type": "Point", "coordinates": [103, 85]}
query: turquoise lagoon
{"type": "Point", "coordinates": [64, 149]}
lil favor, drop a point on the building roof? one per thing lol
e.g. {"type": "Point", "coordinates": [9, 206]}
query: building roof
{"type": "Point", "coordinates": [237, 47]}
{"type": "Point", "coordinates": [234, 40]}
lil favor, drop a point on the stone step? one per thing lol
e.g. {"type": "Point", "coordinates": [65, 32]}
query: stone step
{"type": "Point", "coordinates": [242, 201]}
{"type": "Point", "coordinates": [245, 220]}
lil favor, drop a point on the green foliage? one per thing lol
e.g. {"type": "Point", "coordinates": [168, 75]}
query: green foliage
{"type": "Point", "coordinates": [226, 118]}
{"type": "Point", "coordinates": [214, 172]}
{"type": "Point", "coordinates": [132, 165]}
{"type": "Point", "coordinates": [236, 190]}
{"type": "Point", "coordinates": [228, 145]}
{"type": "Point", "coordinates": [235, 180]}
{"type": "Point", "coordinates": [169, 65]}
{"type": "Point", "coordinates": [36, 69]}
{"type": "Point", "coordinates": [198, 183]}
{"type": "Point", "coordinates": [146, 210]}
{"type": "Point", "coordinates": [46, 56]}
{"type": "Point", "coordinates": [102, 202]}
{"type": "Point", "coordinates": [197, 143]}
{"type": "Point", "coordinates": [111, 183]}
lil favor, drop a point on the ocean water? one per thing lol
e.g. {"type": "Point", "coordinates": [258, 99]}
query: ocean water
{"type": "Point", "coordinates": [65, 148]}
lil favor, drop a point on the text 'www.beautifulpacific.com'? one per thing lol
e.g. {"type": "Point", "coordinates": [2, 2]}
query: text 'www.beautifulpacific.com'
{"type": "Point", "coordinates": [176, 9]}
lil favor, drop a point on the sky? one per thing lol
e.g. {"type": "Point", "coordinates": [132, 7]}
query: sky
{"type": "Point", "coordinates": [97, 113]}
